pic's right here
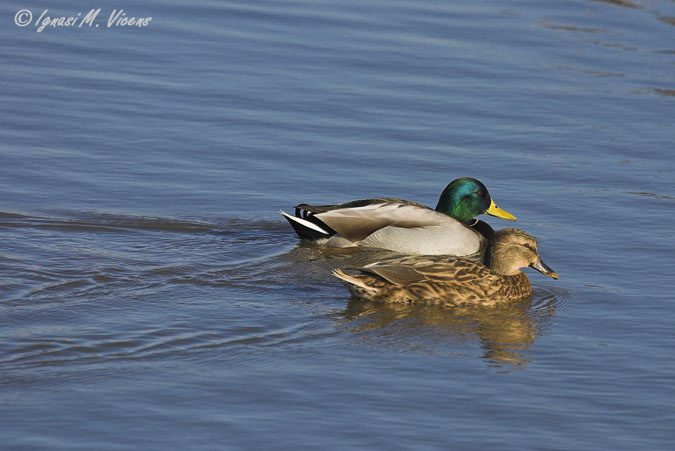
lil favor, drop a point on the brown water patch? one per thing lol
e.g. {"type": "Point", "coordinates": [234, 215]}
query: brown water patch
{"type": "Point", "coordinates": [665, 92]}
{"type": "Point", "coordinates": [599, 73]}
{"type": "Point", "coordinates": [670, 20]}
{"type": "Point", "coordinates": [573, 28]}
{"type": "Point", "coordinates": [622, 3]}
{"type": "Point", "coordinates": [613, 45]}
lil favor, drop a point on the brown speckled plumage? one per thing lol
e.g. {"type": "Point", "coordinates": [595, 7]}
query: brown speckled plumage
{"type": "Point", "coordinates": [447, 280]}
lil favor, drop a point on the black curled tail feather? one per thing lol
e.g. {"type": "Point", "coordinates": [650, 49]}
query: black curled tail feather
{"type": "Point", "coordinates": [306, 231]}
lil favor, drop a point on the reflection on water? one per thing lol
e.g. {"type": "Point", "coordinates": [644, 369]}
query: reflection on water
{"type": "Point", "coordinates": [574, 28]}
{"type": "Point", "coordinates": [600, 73]}
{"type": "Point", "coordinates": [506, 332]}
{"type": "Point", "coordinates": [624, 3]}
{"type": "Point", "coordinates": [669, 20]}
{"type": "Point", "coordinates": [665, 92]}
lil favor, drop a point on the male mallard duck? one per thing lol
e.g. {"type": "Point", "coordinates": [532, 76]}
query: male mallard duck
{"type": "Point", "coordinates": [439, 280]}
{"type": "Point", "coordinates": [404, 226]}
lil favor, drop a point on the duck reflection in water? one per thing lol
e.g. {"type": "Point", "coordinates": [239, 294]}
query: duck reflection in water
{"type": "Point", "coordinates": [505, 332]}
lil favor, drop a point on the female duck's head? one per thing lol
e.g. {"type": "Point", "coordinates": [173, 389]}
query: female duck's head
{"type": "Point", "coordinates": [512, 249]}
{"type": "Point", "coordinates": [466, 198]}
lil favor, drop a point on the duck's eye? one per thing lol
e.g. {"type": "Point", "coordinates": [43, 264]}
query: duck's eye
{"type": "Point", "coordinates": [529, 246]}
{"type": "Point", "coordinates": [479, 192]}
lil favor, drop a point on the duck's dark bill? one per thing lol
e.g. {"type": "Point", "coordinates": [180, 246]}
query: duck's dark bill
{"type": "Point", "coordinates": [494, 210]}
{"type": "Point", "coordinates": [544, 269]}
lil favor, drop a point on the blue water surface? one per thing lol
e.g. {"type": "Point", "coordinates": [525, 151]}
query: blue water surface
{"type": "Point", "coordinates": [152, 298]}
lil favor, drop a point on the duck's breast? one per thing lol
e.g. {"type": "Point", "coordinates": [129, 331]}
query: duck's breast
{"type": "Point", "coordinates": [451, 238]}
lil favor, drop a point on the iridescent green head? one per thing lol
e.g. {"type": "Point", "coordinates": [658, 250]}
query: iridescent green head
{"type": "Point", "coordinates": [466, 198]}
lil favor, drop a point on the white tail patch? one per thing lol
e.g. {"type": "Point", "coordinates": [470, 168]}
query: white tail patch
{"type": "Point", "coordinates": [304, 222]}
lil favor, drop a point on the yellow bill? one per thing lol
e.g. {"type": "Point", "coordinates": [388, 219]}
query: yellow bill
{"type": "Point", "coordinates": [494, 210]}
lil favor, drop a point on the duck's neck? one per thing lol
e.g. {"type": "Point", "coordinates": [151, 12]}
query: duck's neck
{"type": "Point", "coordinates": [483, 228]}
{"type": "Point", "coordinates": [496, 258]}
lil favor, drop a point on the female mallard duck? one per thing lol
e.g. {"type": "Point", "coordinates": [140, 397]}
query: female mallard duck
{"type": "Point", "coordinates": [404, 226]}
{"type": "Point", "coordinates": [439, 280]}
